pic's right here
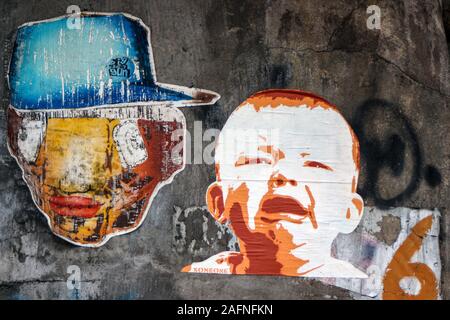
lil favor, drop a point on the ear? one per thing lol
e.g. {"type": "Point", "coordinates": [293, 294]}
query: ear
{"type": "Point", "coordinates": [215, 202]}
{"type": "Point", "coordinates": [354, 212]}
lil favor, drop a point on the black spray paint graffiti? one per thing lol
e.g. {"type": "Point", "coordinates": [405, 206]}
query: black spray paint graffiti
{"type": "Point", "coordinates": [388, 144]}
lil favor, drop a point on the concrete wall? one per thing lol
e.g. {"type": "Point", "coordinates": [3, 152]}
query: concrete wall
{"type": "Point", "coordinates": [236, 48]}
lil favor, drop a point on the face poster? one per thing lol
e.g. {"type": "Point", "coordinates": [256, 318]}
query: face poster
{"type": "Point", "coordinates": [287, 166]}
{"type": "Point", "coordinates": [95, 134]}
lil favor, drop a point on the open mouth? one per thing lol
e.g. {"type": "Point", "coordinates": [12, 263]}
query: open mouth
{"type": "Point", "coordinates": [284, 208]}
{"type": "Point", "coordinates": [74, 206]}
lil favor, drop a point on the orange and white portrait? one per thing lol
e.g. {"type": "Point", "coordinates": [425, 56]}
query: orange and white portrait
{"type": "Point", "coordinates": [287, 166]}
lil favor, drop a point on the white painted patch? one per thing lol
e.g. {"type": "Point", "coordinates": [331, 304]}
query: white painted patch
{"type": "Point", "coordinates": [373, 255]}
{"type": "Point", "coordinates": [410, 285]}
{"type": "Point", "coordinates": [157, 112]}
{"type": "Point", "coordinates": [129, 143]}
{"type": "Point", "coordinates": [30, 137]}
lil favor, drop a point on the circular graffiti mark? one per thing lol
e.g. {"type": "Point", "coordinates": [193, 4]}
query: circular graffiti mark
{"type": "Point", "coordinates": [388, 145]}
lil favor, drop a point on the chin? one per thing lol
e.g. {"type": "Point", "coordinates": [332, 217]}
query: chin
{"type": "Point", "coordinates": [79, 230]}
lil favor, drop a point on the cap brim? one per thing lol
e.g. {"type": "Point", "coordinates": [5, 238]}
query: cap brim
{"type": "Point", "coordinates": [198, 97]}
{"type": "Point", "coordinates": [159, 95]}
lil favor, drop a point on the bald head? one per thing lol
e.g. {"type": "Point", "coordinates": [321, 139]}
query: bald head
{"type": "Point", "coordinates": [308, 128]}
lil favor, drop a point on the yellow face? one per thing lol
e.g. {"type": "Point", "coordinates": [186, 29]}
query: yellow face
{"type": "Point", "coordinates": [79, 158]}
{"type": "Point", "coordinates": [76, 152]}
{"type": "Point", "coordinates": [92, 177]}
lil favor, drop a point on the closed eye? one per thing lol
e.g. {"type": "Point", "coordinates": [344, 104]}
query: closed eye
{"type": "Point", "coordinates": [317, 164]}
{"type": "Point", "coordinates": [244, 160]}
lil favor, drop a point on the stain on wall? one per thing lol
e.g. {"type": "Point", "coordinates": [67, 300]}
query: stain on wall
{"type": "Point", "coordinates": [390, 227]}
{"type": "Point", "coordinates": [197, 234]}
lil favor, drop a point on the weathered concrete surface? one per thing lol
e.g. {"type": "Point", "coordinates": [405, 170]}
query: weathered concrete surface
{"type": "Point", "coordinates": [236, 48]}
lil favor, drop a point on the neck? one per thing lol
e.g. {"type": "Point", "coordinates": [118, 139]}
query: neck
{"type": "Point", "coordinates": [259, 258]}
{"type": "Point", "coordinates": [314, 255]}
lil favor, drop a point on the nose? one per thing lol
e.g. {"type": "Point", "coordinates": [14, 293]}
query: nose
{"type": "Point", "coordinates": [83, 172]}
{"type": "Point", "coordinates": [76, 179]}
{"type": "Point", "coordinates": [278, 180]}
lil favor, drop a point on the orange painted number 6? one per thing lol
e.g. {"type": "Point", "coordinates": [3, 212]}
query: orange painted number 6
{"type": "Point", "coordinates": [400, 268]}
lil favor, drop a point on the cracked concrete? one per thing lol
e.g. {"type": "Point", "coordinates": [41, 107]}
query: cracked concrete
{"type": "Point", "coordinates": [236, 48]}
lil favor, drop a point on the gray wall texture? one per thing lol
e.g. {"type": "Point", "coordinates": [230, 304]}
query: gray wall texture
{"type": "Point", "coordinates": [237, 48]}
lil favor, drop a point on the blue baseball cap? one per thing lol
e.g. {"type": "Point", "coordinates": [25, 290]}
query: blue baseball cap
{"type": "Point", "coordinates": [105, 61]}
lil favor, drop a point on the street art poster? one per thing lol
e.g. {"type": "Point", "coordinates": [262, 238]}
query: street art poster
{"type": "Point", "coordinates": [89, 125]}
{"type": "Point", "coordinates": [287, 166]}
{"type": "Point", "coordinates": [285, 203]}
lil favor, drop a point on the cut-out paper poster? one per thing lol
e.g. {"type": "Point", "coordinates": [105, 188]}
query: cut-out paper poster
{"type": "Point", "coordinates": [287, 166]}
{"type": "Point", "coordinates": [90, 126]}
